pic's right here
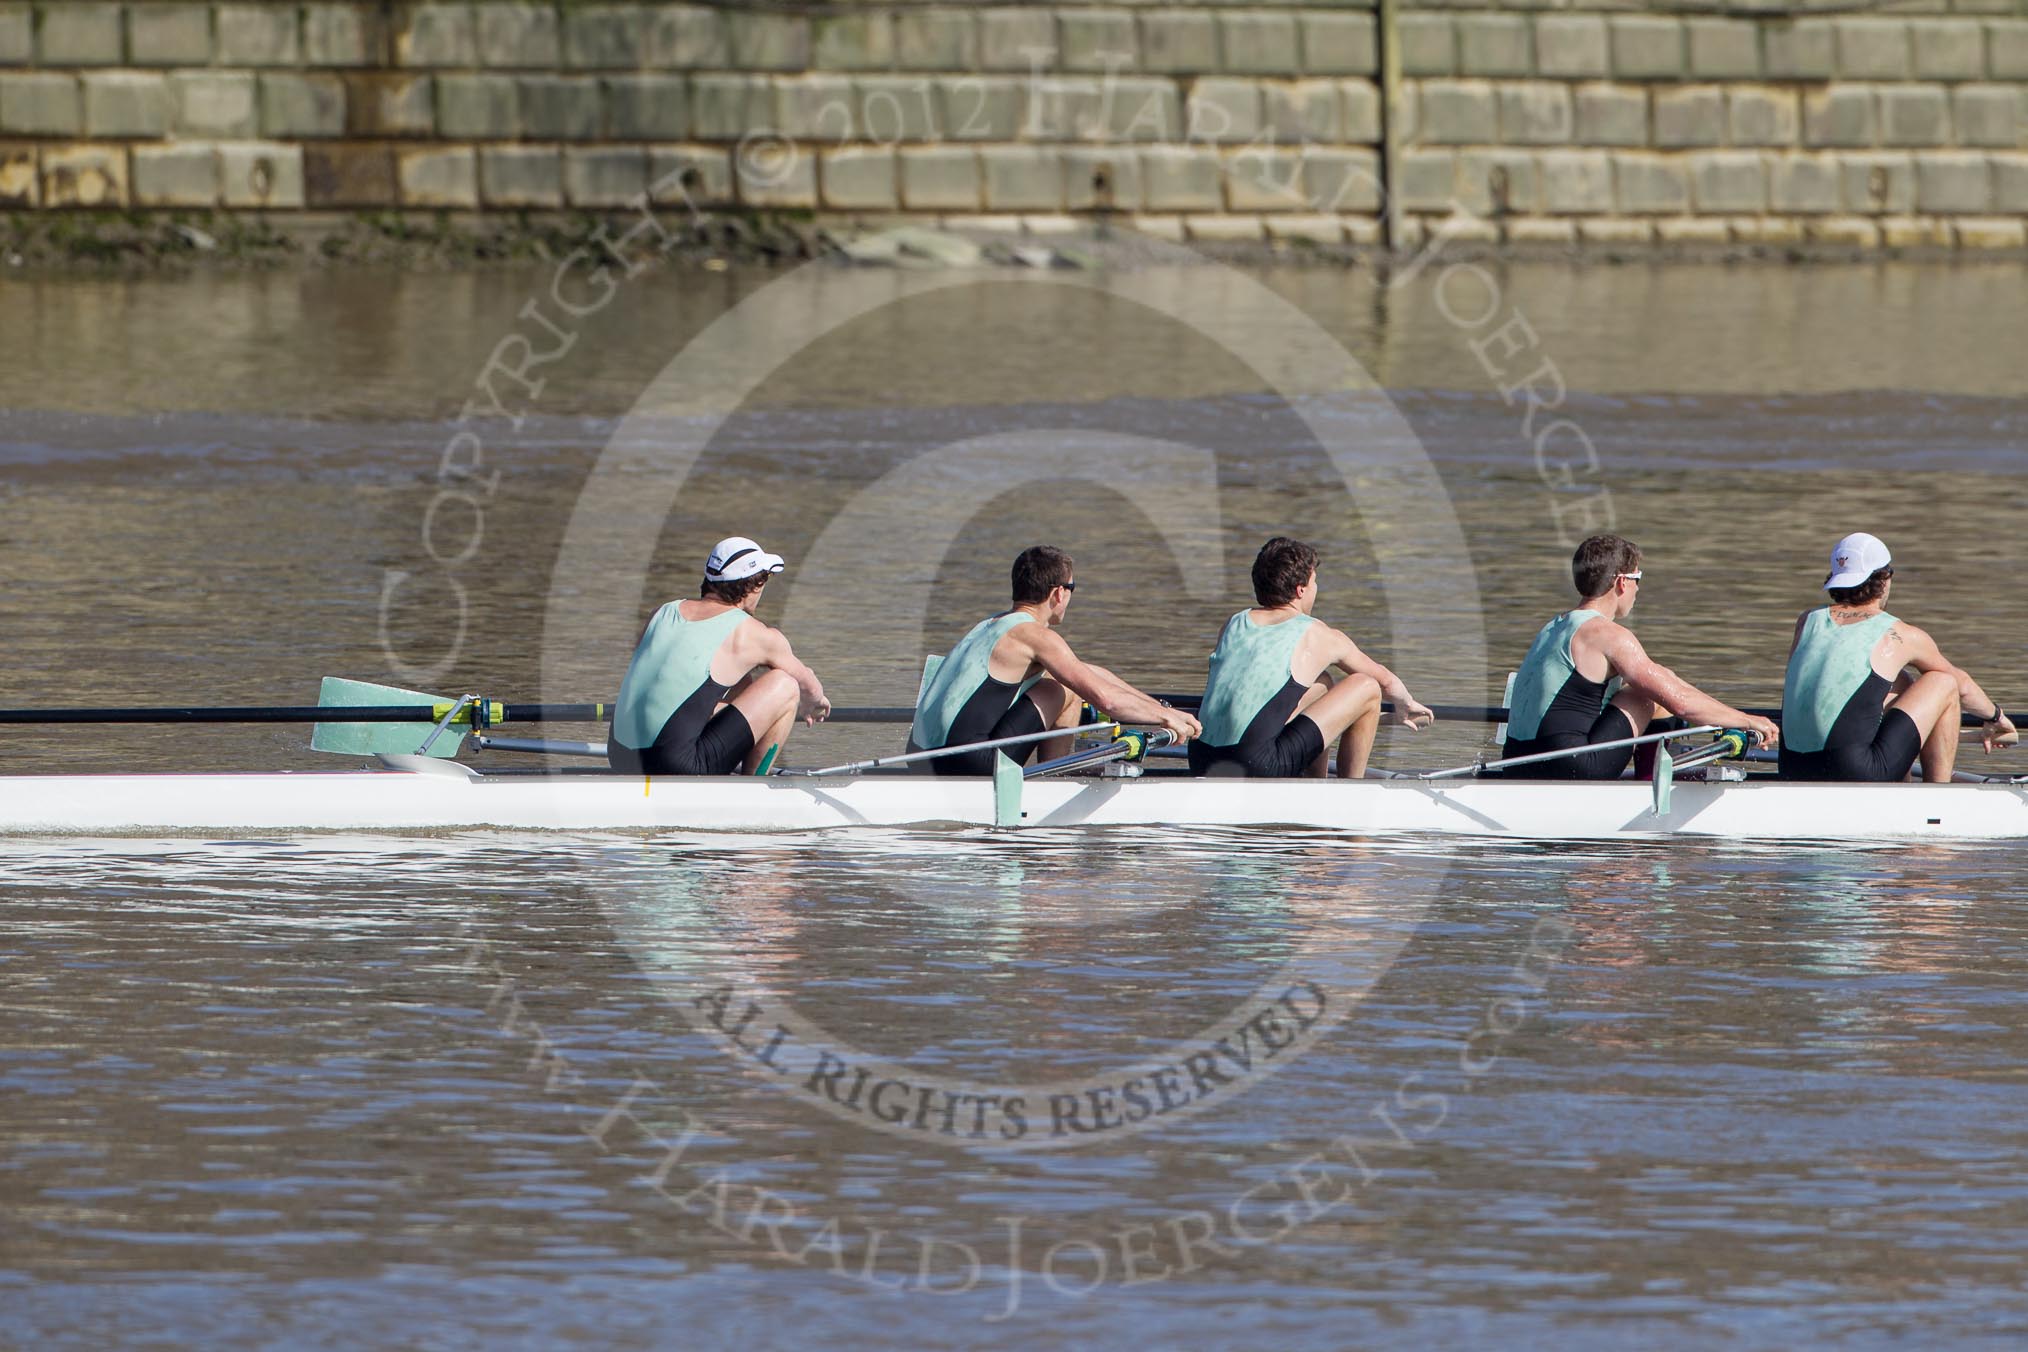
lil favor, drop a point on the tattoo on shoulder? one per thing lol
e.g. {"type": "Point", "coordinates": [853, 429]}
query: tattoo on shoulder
{"type": "Point", "coordinates": [1894, 635]}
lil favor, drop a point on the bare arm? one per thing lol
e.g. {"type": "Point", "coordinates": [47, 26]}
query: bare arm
{"type": "Point", "coordinates": [769, 646]}
{"type": "Point", "coordinates": [1341, 652]}
{"type": "Point", "coordinates": [1100, 687]}
{"type": "Point", "coordinates": [1645, 676]}
{"type": "Point", "coordinates": [1915, 648]}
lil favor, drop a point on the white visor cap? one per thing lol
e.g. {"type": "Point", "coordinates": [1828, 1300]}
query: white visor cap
{"type": "Point", "coordinates": [737, 558]}
{"type": "Point", "coordinates": [1856, 558]}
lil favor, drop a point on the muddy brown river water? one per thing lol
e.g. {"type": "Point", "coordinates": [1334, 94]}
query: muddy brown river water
{"type": "Point", "coordinates": [490, 1090]}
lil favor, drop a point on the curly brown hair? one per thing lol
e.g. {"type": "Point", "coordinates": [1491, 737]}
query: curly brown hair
{"type": "Point", "coordinates": [733, 593]}
{"type": "Point", "coordinates": [1867, 592]}
{"type": "Point", "coordinates": [1281, 569]}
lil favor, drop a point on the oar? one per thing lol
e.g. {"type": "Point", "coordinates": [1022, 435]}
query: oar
{"type": "Point", "coordinates": [1477, 767]}
{"type": "Point", "coordinates": [1126, 745]}
{"type": "Point", "coordinates": [912, 757]}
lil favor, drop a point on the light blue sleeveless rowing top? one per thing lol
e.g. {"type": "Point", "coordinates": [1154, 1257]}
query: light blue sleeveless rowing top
{"type": "Point", "coordinates": [1830, 663]}
{"type": "Point", "coordinates": [1249, 667]}
{"type": "Point", "coordinates": [1544, 672]}
{"type": "Point", "coordinates": [963, 673]}
{"type": "Point", "coordinates": [670, 663]}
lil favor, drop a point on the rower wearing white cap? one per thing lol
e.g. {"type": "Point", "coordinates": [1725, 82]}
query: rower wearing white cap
{"type": "Point", "coordinates": [1851, 710]}
{"type": "Point", "coordinates": [711, 689]}
{"type": "Point", "coordinates": [1563, 696]}
{"type": "Point", "coordinates": [1013, 675]}
{"type": "Point", "coordinates": [1271, 709]}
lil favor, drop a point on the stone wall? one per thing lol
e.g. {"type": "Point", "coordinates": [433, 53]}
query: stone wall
{"type": "Point", "coordinates": [1519, 123]}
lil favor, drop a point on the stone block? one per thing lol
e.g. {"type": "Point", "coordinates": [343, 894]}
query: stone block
{"type": "Point", "coordinates": [1949, 49]}
{"type": "Point", "coordinates": [727, 107]}
{"type": "Point", "coordinates": [1262, 178]}
{"type": "Point", "coordinates": [224, 105]}
{"type": "Point", "coordinates": [1758, 116]}
{"type": "Point", "coordinates": [126, 104]}
{"type": "Point", "coordinates": [818, 108]}
{"type": "Point", "coordinates": [1572, 46]}
{"type": "Point", "coordinates": [980, 107]}
{"type": "Point", "coordinates": [691, 176]}
{"type": "Point", "coordinates": [2007, 49]}
{"type": "Point", "coordinates": [1728, 181]}
{"type": "Point", "coordinates": [1839, 115]}
{"type": "Point", "coordinates": [295, 106]}
{"type": "Point", "coordinates": [767, 41]}
{"type": "Point", "coordinates": [175, 176]}
{"type": "Point", "coordinates": [1650, 185]}
{"type": "Point", "coordinates": [1142, 109]}
{"type": "Point", "coordinates": [1541, 232]}
{"type": "Point", "coordinates": [257, 35]}
{"type": "Point", "coordinates": [1333, 43]}
{"type": "Point", "coordinates": [477, 107]}
{"type": "Point", "coordinates": [1801, 50]}
{"type": "Point", "coordinates": [436, 36]}
{"type": "Point", "coordinates": [1254, 42]}
{"type": "Point", "coordinates": [1848, 232]}
{"type": "Point", "coordinates": [1305, 230]}
{"type": "Point", "coordinates": [1495, 44]}
{"type": "Point", "coordinates": [446, 177]}
{"type": "Point", "coordinates": [2010, 183]}
{"type": "Point", "coordinates": [1429, 181]}
{"type": "Point", "coordinates": [519, 37]}
{"type": "Point", "coordinates": [687, 37]}
{"type": "Point", "coordinates": [20, 183]}
{"type": "Point", "coordinates": [1988, 115]}
{"type": "Point", "coordinates": [520, 176]}
{"type": "Point", "coordinates": [1429, 44]}
{"type": "Point", "coordinates": [1805, 185]}
{"type": "Point", "coordinates": [1692, 233]}
{"type": "Point", "coordinates": [1102, 179]}
{"type": "Point", "coordinates": [1458, 112]}
{"type": "Point", "coordinates": [606, 37]}
{"type": "Point", "coordinates": [561, 107]}
{"type": "Point", "coordinates": [892, 108]}
{"type": "Point", "coordinates": [1342, 180]}
{"type": "Point", "coordinates": [1362, 231]}
{"type": "Point", "coordinates": [1914, 232]}
{"type": "Point", "coordinates": [1021, 178]}
{"type": "Point", "coordinates": [1878, 184]}
{"type": "Point", "coordinates": [1361, 111]}
{"type": "Point", "coordinates": [1693, 115]}
{"type": "Point", "coordinates": [337, 174]}
{"type": "Point", "coordinates": [1096, 39]}
{"type": "Point", "coordinates": [1498, 183]}
{"type": "Point", "coordinates": [1989, 233]}
{"type": "Point", "coordinates": [389, 103]}
{"type": "Point", "coordinates": [1953, 183]}
{"type": "Point", "coordinates": [1304, 111]}
{"type": "Point", "coordinates": [1017, 39]}
{"type": "Point", "coordinates": [1536, 114]}
{"type": "Point", "coordinates": [1223, 111]}
{"type": "Point", "coordinates": [1723, 49]}
{"type": "Point", "coordinates": [1168, 228]}
{"type": "Point", "coordinates": [937, 39]}
{"type": "Point", "coordinates": [1777, 230]}
{"type": "Point", "coordinates": [1182, 178]}
{"type": "Point", "coordinates": [1223, 229]}
{"type": "Point", "coordinates": [79, 33]}
{"type": "Point", "coordinates": [1610, 231]}
{"type": "Point", "coordinates": [261, 175]}
{"type": "Point", "coordinates": [17, 48]}
{"type": "Point", "coordinates": [84, 176]}
{"type": "Point", "coordinates": [858, 178]}
{"type": "Point", "coordinates": [1646, 48]}
{"type": "Point", "coordinates": [343, 35]}
{"type": "Point", "coordinates": [1914, 115]}
{"type": "Point", "coordinates": [41, 103]}
{"type": "Point", "coordinates": [1612, 115]}
{"type": "Point", "coordinates": [1873, 49]}
{"type": "Point", "coordinates": [652, 107]}
{"type": "Point", "coordinates": [167, 35]}
{"type": "Point", "coordinates": [940, 178]}
{"type": "Point", "coordinates": [617, 176]}
{"type": "Point", "coordinates": [863, 41]}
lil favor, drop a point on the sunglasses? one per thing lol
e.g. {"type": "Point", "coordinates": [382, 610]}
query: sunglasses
{"type": "Point", "coordinates": [1070, 586]}
{"type": "Point", "coordinates": [1631, 577]}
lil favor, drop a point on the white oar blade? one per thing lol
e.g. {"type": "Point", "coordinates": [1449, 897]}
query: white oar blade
{"type": "Point", "coordinates": [377, 739]}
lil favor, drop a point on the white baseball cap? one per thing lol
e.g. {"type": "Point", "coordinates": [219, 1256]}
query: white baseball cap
{"type": "Point", "coordinates": [1856, 558]}
{"type": "Point", "coordinates": [736, 558]}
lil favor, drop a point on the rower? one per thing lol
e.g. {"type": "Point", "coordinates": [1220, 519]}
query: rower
{"type": "Point", "coordinates": [1013, 675]}
{"type": "Point", "coordinates": [1562, 695]}
{"type": "Point", "coordinates": [711, 689]}
{"type": "Point", "coordinates": [1270, 706]}
{"type": "Point", "coordinates": [1866, 694]}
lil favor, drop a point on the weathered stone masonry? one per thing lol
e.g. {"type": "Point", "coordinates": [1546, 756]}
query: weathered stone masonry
{"type": "Point", "coordinates": [1524, 123]}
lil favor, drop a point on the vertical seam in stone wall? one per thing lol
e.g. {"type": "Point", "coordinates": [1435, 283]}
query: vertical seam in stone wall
{"type": "Point", "coordinates": [1387, 32]}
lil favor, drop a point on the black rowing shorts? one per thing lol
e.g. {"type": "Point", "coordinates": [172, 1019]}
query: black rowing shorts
{"type": "Point", "coordinates": [695, 740]}
{"type": "Point", "coordinates": [1886, 759]}
{"type": "Point", "coordinates": [1610, 726]}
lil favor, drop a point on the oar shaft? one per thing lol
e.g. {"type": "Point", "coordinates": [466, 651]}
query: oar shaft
{"type": "Point", "coordinates": [371, 713]}
{"type": "Point", "coordinates": [1540, 756]}
{"type": "Point", "coordinates": [910, 758]}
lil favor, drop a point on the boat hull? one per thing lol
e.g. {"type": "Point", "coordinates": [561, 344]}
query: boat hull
{"type": "Point", "coordinates": [451, 797]}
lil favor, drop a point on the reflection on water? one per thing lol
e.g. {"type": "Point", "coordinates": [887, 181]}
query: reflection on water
{"type": "Point", "coordinates": [377, 1091]}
